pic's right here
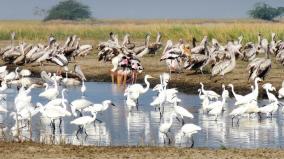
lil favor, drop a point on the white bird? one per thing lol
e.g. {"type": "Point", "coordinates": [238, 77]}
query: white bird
{"type": "Point", "coordinates": [269, 109]}
{"type": "Point", "coordinates": [271, 97]}
{"type": "Point", "coordinates": [251, 96]}
{"type": "Point", "coordinates": [100, 107]}
{"type": "Point", "coordinates": [83, 121]}
{"type": "Point", "coordinates": [50, 93]}
{"type": "Point", "coordinates": [2, 109]}
{"type": "Point", "coordinates": [54, 112]}
{"type": "Point", "coordinates": [79, 105]}
{"type": "Point", "coordinates": [188, 130]}
{"type": "Point", "coordinates": [218, 107]}
{"type": "Point", "coordinates": [58, 101]}
{"type": "Point", "coordinates": [209, 106]}
{"type": "Point", "coordinates": [25, 73]}
{"type": "Point", "coordinates": [211, 94]}
{"type": "Point", "coordinates": [165, 127]}
{"type": "Point", "coordinates": [12, 75]}
{"type": "Point", "coordinates": [138, 88]}
{"type": "Point", "coordinates": [180, 111]}
{"type": "Point", "coordinates": [238, 97]}
{"type": "Point", "coordinates": [281, 91]}
{"type": "Point", "coordinates": [83, 88]}
{"type": "Point", "coordinates": [225, 93]}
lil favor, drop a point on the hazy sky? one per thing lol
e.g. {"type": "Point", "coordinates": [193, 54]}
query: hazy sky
{"type": "Point", "coordinates": [141, 9]}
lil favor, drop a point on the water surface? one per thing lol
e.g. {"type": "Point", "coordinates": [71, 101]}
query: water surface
{"type": "Point", "coordinates": [141, 127]}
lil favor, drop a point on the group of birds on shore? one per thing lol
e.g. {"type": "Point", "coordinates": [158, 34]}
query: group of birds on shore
{"type": "Point", "coordinates": [219, 59]}
{"type": "Point", "coordinates": [125, 56]}
{"type": "Point", "coordinates": [27, 53]}
{"type": "Point", "coordinates": [222, 59]}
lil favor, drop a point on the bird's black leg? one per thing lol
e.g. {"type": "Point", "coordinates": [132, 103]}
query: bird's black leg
{"type": "Point", "coordinates": [99, 120]}
{"type": "Point", "coordinates": [182, 121]}
{"type": "Point", "coordinates": [60, 122]}
{"type": "Point", "coordinates": [53, 126]}
{"type": "Point", "coordinates": [177, 119]}
{"type": "Point", "coordinates": [79, 130]}
{"type": "Point", "coordinates": [85, 131]}
{"type": "Point", "coordinates": [192, 142]}
{"type": "Point", "coordinates": [233, 120]}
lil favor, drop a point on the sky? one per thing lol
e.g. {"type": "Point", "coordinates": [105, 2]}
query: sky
{"type": "Point", "coordinates": [141, 9]}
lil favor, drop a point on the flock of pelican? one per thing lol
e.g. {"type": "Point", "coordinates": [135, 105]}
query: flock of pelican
{"type": "Point", "coordinates": [220, 59]}
{"type": "Point", "coordinates": [26, 53]}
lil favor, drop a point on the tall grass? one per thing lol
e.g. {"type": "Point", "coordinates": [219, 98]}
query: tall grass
{"type": "Point", "coordinates": [221, 30]}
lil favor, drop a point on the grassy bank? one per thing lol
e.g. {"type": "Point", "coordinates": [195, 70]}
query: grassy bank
{"type": "Point", "coordinates": [33, 150]}
{"type": "Point", "coordinates": [171, 29]}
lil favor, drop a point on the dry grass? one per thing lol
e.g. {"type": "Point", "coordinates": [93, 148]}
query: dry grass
{"type": "Point", "coordinates": [32, 150]}
{"type": "Point", "coordinates": [171, 29]}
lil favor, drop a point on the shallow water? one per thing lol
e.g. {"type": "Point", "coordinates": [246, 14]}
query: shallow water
{"type": "Point", "coordinates": [121, 127]}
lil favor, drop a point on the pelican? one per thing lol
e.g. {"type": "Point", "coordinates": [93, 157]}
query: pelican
{"type": "Point", "coordinates": [225, 66]}
{"type": "Point", "coordinates": [259, 67]}
{"type": "Point", "coordinates": [79, 72]}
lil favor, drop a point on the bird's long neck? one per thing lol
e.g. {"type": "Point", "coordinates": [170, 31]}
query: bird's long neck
{"type": "Point", "coordinates": [16, 71]}
{"type": "Point", "coordinates": [202, 87]}
{"type": "Point", "coordinates": [147, 85]}
{"type": "Point", "coordinates": [171, 121]}
{"type": "Point", "coordinates": [256, 88]}
{"type": "Point", "coordinates": [55, 83]}
{"type": "Point", "coordinates": [233, 91]}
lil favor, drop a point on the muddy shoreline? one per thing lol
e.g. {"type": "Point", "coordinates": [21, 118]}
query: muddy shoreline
{"type": "Point", "coordinates": [14, 150]}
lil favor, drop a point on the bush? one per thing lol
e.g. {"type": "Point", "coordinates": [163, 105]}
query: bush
{"type": "Point", "coordinates": [265, 11]}
{"type": "Point", "coordinates": [69, 10]}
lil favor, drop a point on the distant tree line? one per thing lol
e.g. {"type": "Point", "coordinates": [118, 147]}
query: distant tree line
{"type": "Point", "coordinates": [265, 12]}
{"type": "Point", "coordinates": [69, 10]}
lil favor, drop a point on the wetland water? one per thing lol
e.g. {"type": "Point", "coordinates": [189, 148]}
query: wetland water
{"type": "Point", "coordinates": [119, 127]}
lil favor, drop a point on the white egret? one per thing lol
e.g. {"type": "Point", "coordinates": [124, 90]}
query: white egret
{"type": "Point", "coordinates": [188, 130]}
{"type": "Point", "coordinates": [211, 94]}
{"type": "Point", "coordinates": [83, 121]}
{"type": "Point", "coordinates": [180, 111]}
{"type": "Point", "coordinates": [165, 127]}
{"type": "Point", "coordinates": [50, 93]}
{"type": "Point", "coordinates": [99, 107]}
{"type": "Point", "coordinates": [138, 88]}
{"type": "Point", "coordinates": [83, 88]}
{"type": "Point", "coordinates": [79, 105]}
